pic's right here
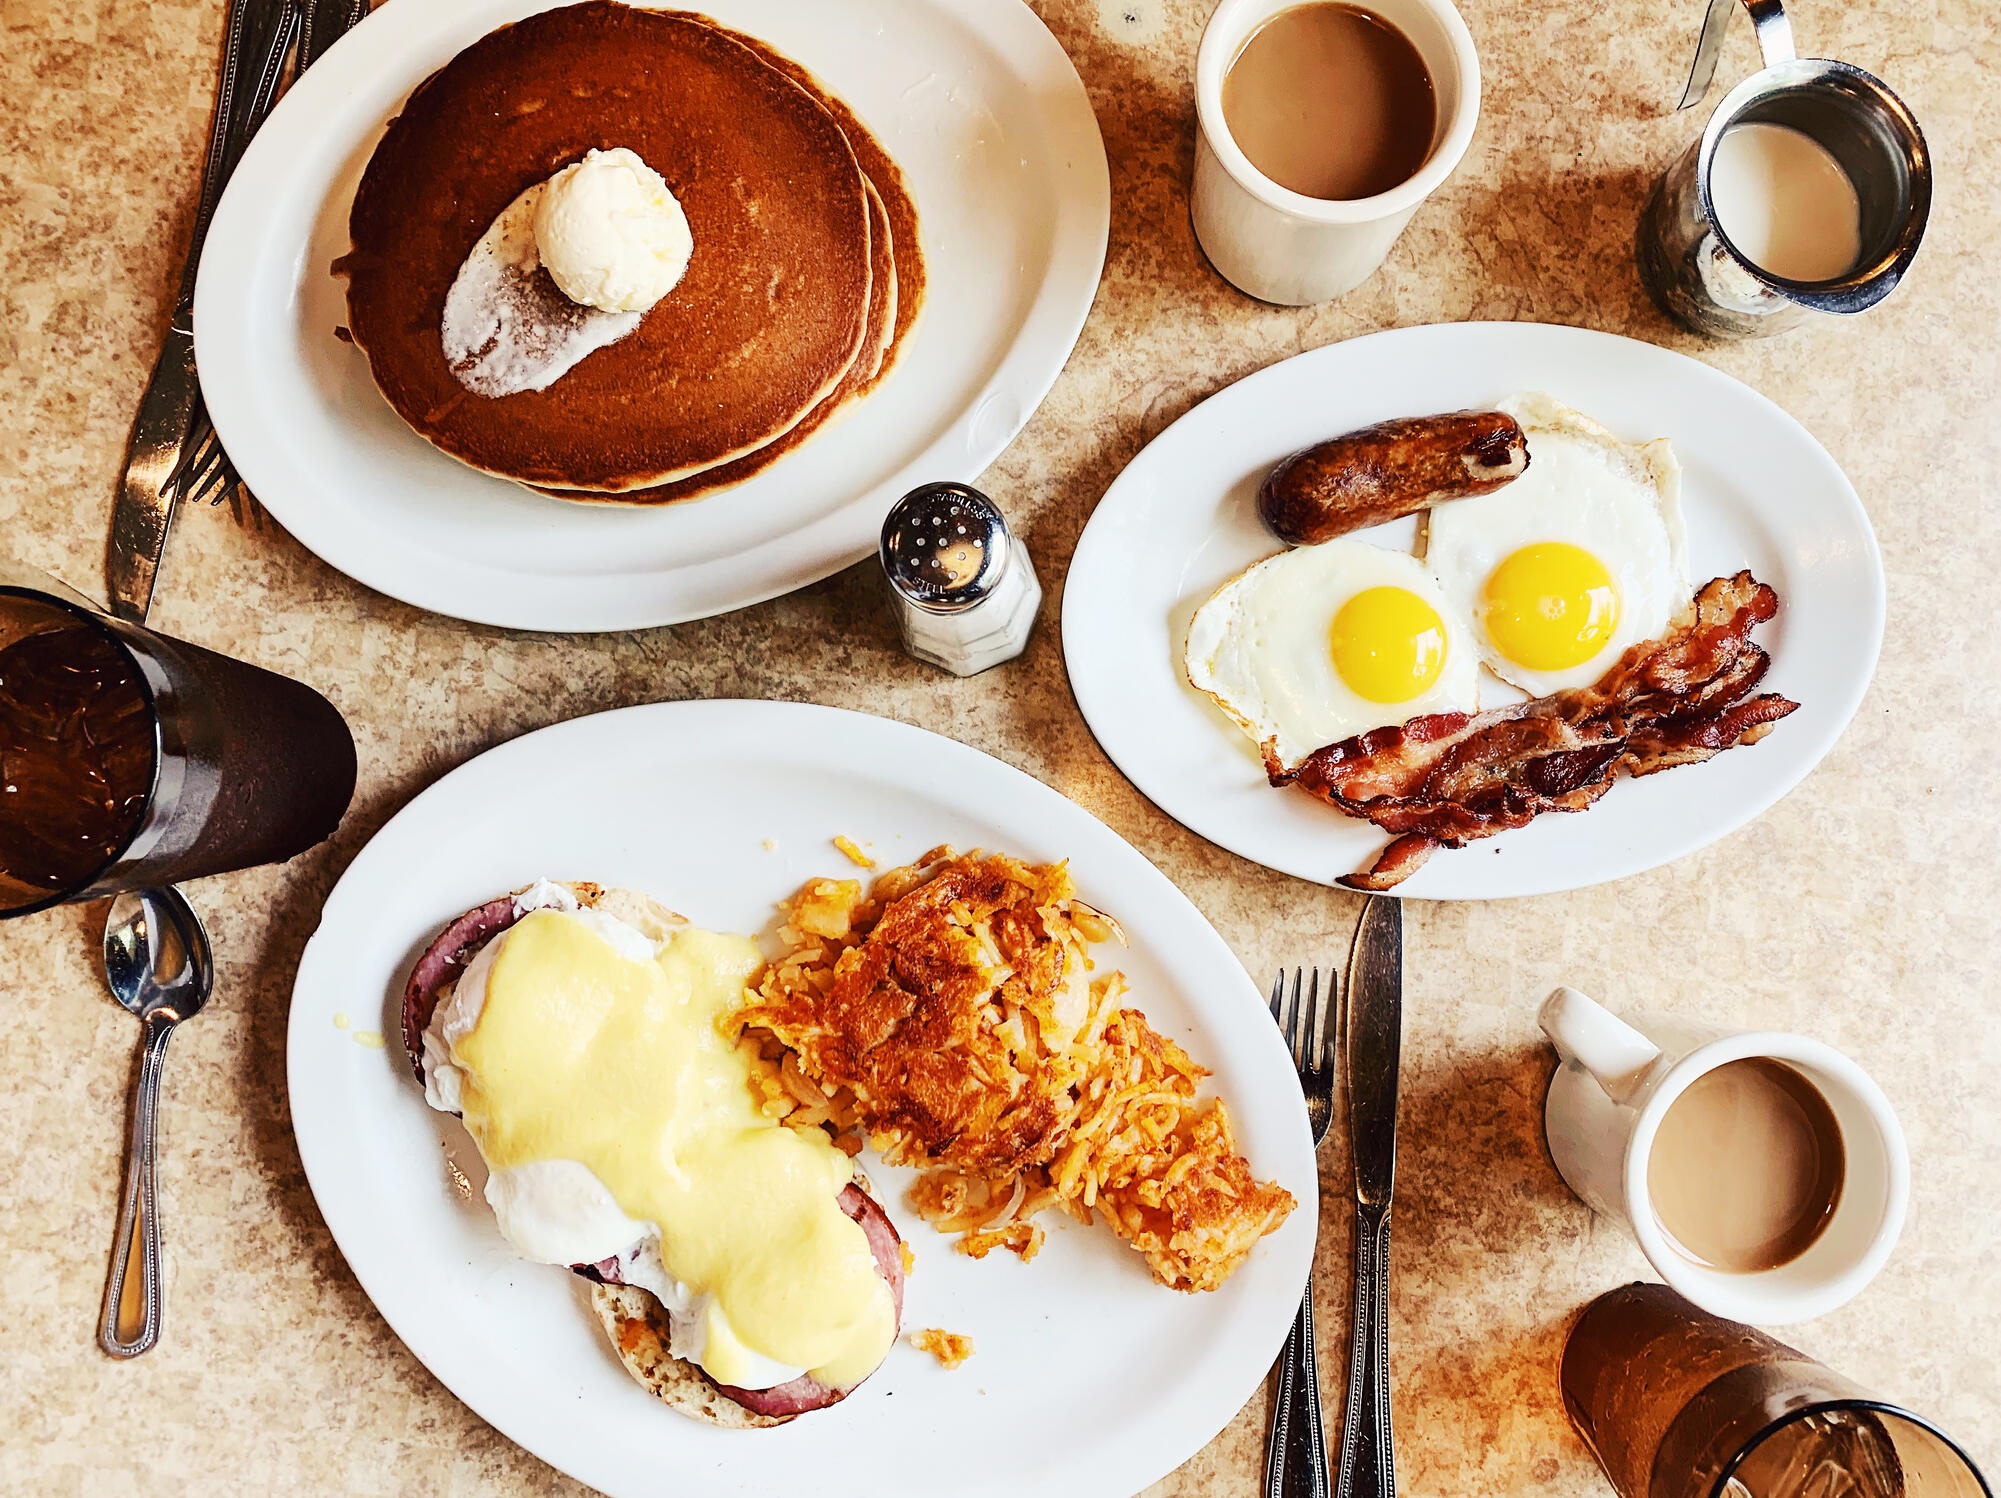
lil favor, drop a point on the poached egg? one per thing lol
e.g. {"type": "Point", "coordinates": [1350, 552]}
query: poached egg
{"type": "Point", "coordinates": [593, 1069]}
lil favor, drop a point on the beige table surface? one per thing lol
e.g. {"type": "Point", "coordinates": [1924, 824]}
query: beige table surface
{"type": "Point", "coordinates": [1865, 909]}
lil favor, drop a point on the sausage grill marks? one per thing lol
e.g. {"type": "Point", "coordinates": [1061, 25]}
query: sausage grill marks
{"type": "Point", "coordinates": [1447, 778]}
{"type": "Point", "coordinates": [1388, 470]}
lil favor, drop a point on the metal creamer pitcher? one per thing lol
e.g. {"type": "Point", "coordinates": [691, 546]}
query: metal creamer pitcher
{"type": "Point", "coordinates": [1689, 263]}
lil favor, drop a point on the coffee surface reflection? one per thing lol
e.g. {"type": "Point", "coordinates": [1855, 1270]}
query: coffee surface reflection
{"type": "Point", "coordinates": [1746, 1169]}
{"type": "Point", "coordinates": [1331, 101]}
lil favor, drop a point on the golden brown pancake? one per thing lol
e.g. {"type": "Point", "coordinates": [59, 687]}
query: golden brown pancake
{"type": "Point", "coordinates": [770, 316]}
{"type": "Point", "coordinates": [893, 203]}
{"type": "Point", "coordinates": [882, 171]}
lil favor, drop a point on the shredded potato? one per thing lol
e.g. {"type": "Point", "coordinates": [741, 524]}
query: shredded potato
{"type": "Point", "coordinates": [949, 1348]}
{"type": "Point", "coordinates": [951, 1016]}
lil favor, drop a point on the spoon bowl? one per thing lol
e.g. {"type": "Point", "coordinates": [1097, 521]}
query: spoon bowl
{"type": "Point", "coordinates": [159, 967]}
{"type": "Point", "coordinates": [156, 954]}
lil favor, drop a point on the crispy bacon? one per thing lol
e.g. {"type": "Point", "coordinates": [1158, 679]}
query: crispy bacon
{"type": "Point", "coordinates": [1447, 778]}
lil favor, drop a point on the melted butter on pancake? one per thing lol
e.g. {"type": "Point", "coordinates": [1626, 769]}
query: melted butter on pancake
{"type": "Point", "coordinates": [507, 326]}
{"type": "Point", "coordinates": [568, 268]}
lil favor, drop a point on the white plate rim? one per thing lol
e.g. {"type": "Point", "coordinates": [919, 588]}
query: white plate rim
{"type": "Point", "coordinates": [227, 334]}
{"type": "Point", "coordinates": [1088, 602]}
{"type": "Point", "coordinates": [1217, 984]}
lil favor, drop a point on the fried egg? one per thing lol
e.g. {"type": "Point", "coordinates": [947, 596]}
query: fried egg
{"type": "Point", "coordinates": [1313, 646]}
{"type": "Point", "coordinates": [1581, 557]}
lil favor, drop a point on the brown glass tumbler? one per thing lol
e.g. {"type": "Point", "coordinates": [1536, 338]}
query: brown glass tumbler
{"type": "Point", "coordinates": [129, 760]}
{"type": "Point", "coordinates": [1677, 1403]}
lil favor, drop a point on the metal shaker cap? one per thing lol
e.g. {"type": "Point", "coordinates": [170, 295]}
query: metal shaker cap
{"type": "Point", "coordinates": [944, 547]}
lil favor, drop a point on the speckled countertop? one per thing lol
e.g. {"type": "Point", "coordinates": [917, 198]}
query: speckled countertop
{"type": "Point", "coordinates": [1864, 909]}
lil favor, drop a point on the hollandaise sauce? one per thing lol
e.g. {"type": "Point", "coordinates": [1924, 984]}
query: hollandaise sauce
{"type": "Point", "coordinates": [583, 1053]}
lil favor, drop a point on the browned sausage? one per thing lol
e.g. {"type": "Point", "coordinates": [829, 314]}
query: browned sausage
{"type": "Point", "coordinates": [1391, 469]}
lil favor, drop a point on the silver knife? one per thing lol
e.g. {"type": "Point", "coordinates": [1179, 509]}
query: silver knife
{"type": "Point", "coordinates": [1371, 1054]}
{"type": "Point", "coordinates": [326, 22]}
{"type": "Point", "coordinates": [258, 35]}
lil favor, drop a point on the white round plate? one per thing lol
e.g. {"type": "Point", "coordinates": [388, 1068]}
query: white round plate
{"type": "Point", "coordinates": [1757, 492]}
{"type": "Point", "coordinates": [1089, 1378]}
{"type": "Point", "coordinates": [974, 99]}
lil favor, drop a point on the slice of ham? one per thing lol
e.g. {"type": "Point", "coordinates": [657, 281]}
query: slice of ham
{"type": "Point", "coordinates": [453, 949]}
{"type": "Point", "coordinates": [807, 1392]}
{"type": "Point", "coordinates": [442, 963]}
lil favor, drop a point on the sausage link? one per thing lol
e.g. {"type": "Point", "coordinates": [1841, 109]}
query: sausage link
{"type": "Point", "coordinates": [1391, 469]}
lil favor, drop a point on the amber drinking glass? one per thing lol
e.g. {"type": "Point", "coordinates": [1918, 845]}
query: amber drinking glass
{"type": "Point", "coordinates": [130, 760]}
{"type": "Point", "coordinates": [1677, 1403]}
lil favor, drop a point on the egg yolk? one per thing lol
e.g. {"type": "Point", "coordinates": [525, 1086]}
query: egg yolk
{"type": "Point", "coordinates": [1388, 644]}
{"type": "Point", "coordinates": [1550, 606]}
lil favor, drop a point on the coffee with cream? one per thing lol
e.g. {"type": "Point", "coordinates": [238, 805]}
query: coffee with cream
{"type": "Point", "coordinates": [1747, 1165]}
{"type": "Point", "coordinates": [1331, 101]}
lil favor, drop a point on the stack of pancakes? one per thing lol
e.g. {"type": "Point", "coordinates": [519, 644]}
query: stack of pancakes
{"type": "Point", "coordinates": [805, 278]}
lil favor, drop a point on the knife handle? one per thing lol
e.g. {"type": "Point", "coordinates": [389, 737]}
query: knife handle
{"type": "Point", "coordinates": [326, 22]}
{"type": "Point", "coordinates": [258, 36]}
{"type": "Point", "coordinates": [1296, 1453]}
{"type": "Point", "coordinates": [1368, 1460]}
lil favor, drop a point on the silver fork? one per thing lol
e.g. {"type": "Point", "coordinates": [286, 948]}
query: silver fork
{"type": "Point", "coordinates": [205, 471]}
{"type": "Point", "coordinates": [1296, 1453]}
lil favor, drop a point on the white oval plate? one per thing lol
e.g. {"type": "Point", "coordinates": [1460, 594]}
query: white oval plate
{"type": "Point", "coordinates": [974, 98]}
{"type": "Point", "coordinates": [1089, 1378]}
{"type": "Point", "coordinates": [1757, 492]}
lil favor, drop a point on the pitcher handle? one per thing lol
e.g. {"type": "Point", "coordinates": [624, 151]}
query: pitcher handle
{"type": "Point", "coordinates": [1775, 42]}
{"type": "Point", "coordinates": [1594, 1040]}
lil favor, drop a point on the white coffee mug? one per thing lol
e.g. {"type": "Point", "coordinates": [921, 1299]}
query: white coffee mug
{"type": "Point", "coordinates": [1606, 1103]}
{"type": "Point", "coordinates": [1282, 246]}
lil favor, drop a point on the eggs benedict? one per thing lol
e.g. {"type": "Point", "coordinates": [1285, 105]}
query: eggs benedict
{"type": "Point", "coordinates": [582, 1037]}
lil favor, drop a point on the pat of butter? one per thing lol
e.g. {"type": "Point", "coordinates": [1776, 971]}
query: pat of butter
{"type": "Point", "coordinates": [611, 234]}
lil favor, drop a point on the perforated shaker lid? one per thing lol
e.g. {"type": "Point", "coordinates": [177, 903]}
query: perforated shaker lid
{"type": "Point", "coordinates": [945, 547]}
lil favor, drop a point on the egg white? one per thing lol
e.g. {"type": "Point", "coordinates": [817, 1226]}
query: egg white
{"type": "Point", "coordinates": [1620, 501]}
{"type": "Point", "coordinates": [1259, 647]}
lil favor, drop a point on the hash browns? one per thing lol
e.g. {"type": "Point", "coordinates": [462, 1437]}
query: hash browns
{"type": "Point", "coordinates": [951, 1014]}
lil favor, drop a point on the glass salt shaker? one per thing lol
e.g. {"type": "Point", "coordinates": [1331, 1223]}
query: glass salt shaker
{"type": "Point", "coordinates": [963, 587]}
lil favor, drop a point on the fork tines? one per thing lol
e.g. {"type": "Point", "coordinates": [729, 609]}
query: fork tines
{"type": "Point", "coordinates": [1307, 1025]}
{"type": "Point", "coordinates": [204, 470]}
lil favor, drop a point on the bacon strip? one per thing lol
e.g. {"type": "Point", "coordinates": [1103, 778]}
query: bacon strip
{"type": "Point", "coordinates": [1447, 778]}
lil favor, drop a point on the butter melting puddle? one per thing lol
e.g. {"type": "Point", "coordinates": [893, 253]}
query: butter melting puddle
{"type": "Point", "coordinates": [507, 326]}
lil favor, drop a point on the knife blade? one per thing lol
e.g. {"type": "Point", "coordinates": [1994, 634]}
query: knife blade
{"type": "Point", "coordinates": [256, 38]}
{"type": "Point", "coordinates": [1374, 1048]}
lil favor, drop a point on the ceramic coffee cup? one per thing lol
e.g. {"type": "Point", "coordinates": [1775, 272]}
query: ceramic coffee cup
{"type": "Point", "coordinates": [1282, 246]}
{"type": "Point", "coordinates": [1605, 1106]}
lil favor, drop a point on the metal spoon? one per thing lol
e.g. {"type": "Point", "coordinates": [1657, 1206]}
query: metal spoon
{"type": "Point", "coordinates": [157, 961]}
